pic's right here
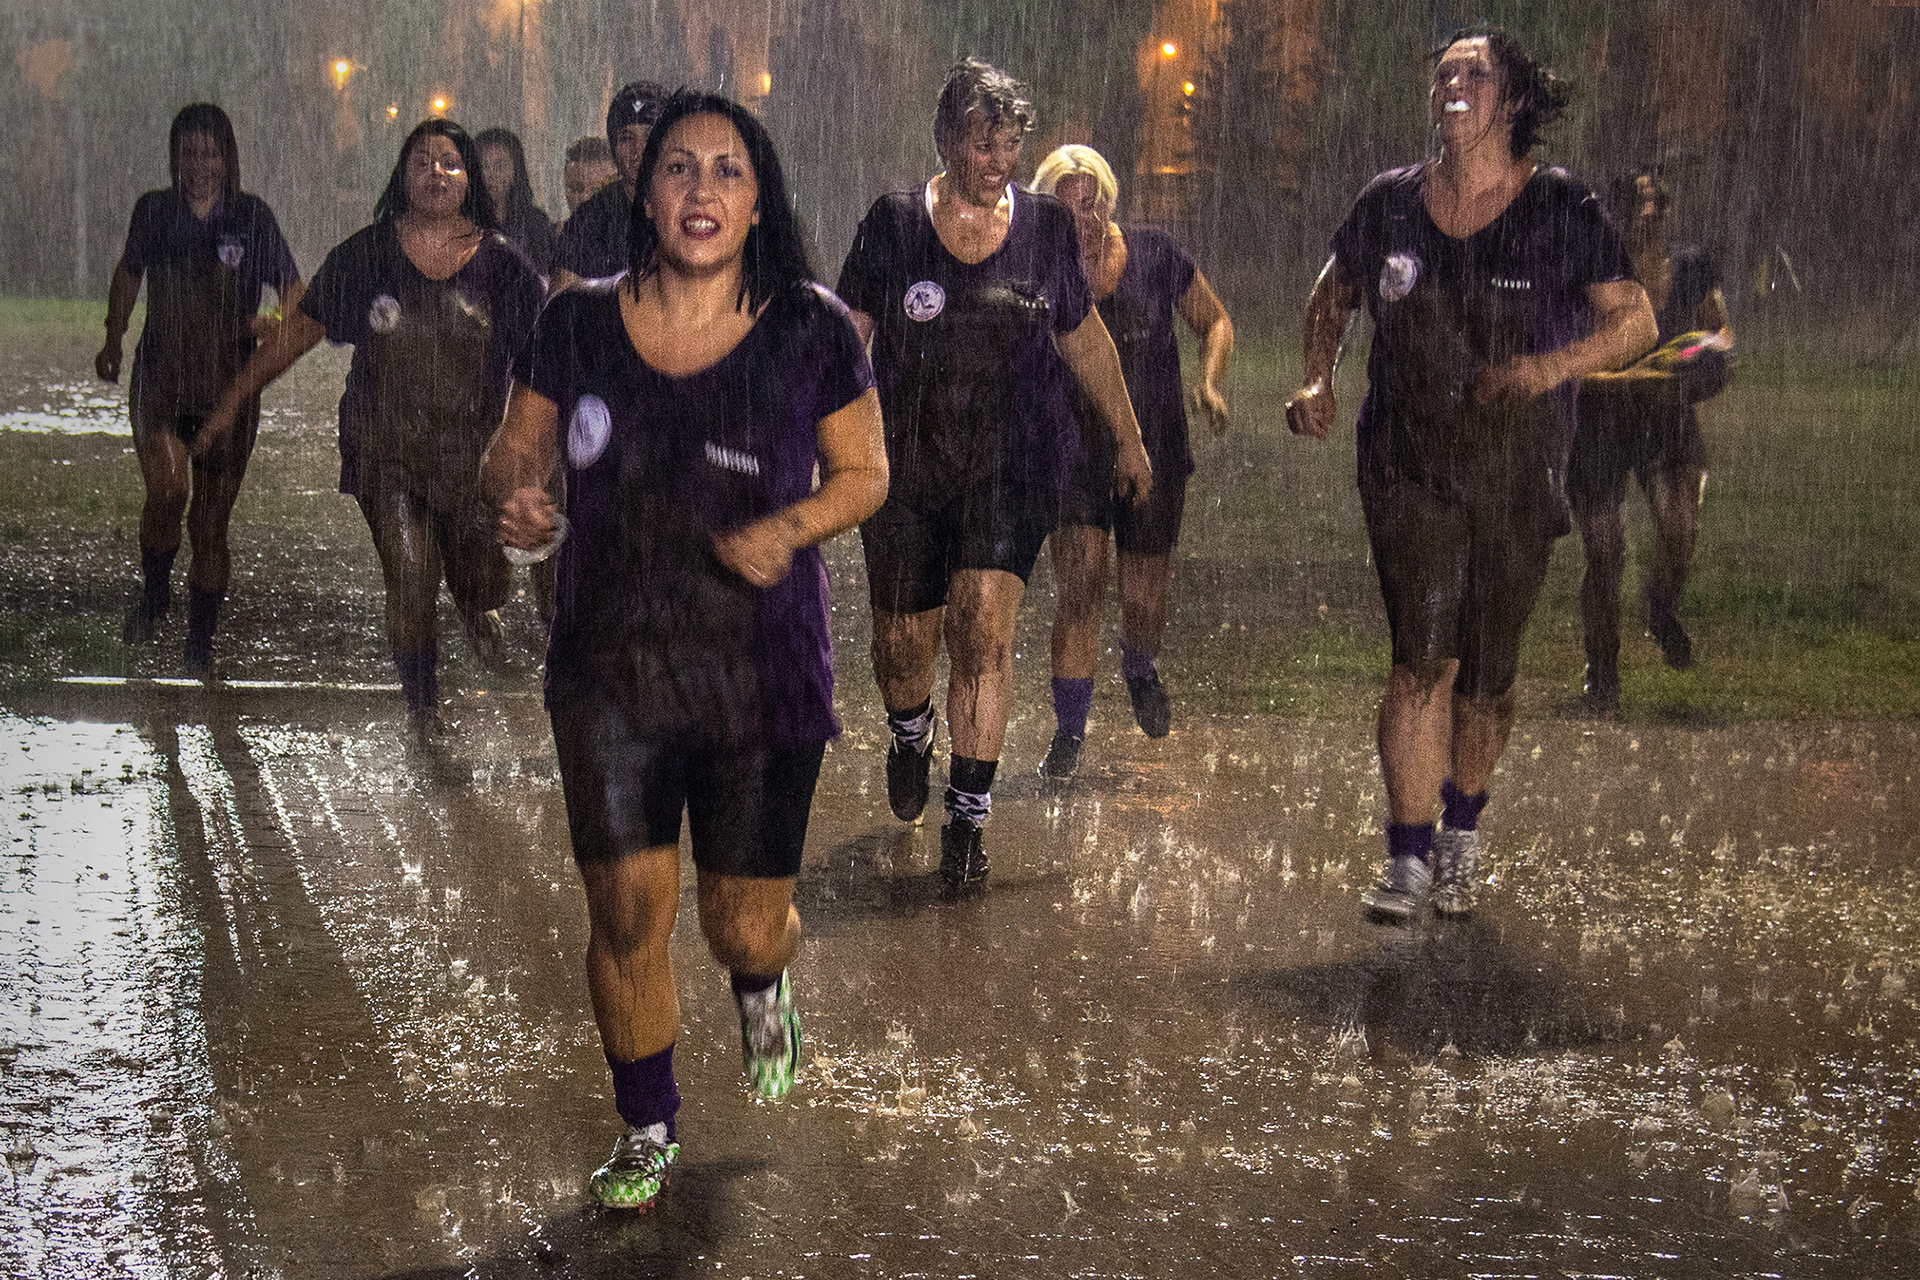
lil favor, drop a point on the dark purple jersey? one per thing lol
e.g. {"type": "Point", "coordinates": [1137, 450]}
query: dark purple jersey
{"type": "Point", "coordinates": [593, 243]}
{"type": "Point", "coordinates": [1445, 310]}
{"type": "Point", "coordinates": [432, 359]}
{"type": "Point", "coordinates": [1140, 317]}
{"type": "Point", "coordinates": [204, 280]}
{"type": "Point", "coordinates": [658, 465]}
{"type": "Point", "coordinates": [971, 386]}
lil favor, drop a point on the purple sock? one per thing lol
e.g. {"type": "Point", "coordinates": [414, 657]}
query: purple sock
{"type": "Point", "coordinates": [1135, 665]}
{"type": "Point", "coordinates": [1072, 699]}
{"type": "Point", "coordinates": [1410, 840]}
{"type": "Point", "coordinates": [746, 984]}
{"type": "Point", "coordinates": [419, 676]}
{"type": "Point", "coordinates": [1459, 810]}
{"type": "Point", "coordinates": [643, 1090]}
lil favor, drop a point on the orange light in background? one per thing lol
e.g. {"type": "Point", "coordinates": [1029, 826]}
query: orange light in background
{"type": "Point", "coordinates": [1169, 50]}
{"type": "Point", "coordinates": [766, 82]}
{"type": "Point", "coordinates": [393, 111]}
{"type": "Point", "coordinates": [342, 72]}
{"type": "Point", "coordinates": [1187, 88]}
{"type": "Point", "coordinates": [439, 103]}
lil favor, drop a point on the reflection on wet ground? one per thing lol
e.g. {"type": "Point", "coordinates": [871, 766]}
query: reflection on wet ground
{"type": "Point", "coordinates": [67, 405]}
{"type": "Point", "coordinates": [285, 995]}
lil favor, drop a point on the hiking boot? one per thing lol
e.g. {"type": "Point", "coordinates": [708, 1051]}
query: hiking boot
{"type": "Point", "coordinates": [770, 1039]}
{"type": "Point", "coordinates": [1456, 859]}
{"type": "Point", "coordinates": [1663, 623]}
{"type": "Point", "coordinates": [907, 779]}
{"type": "Point", "coordinates": [962, 861]}
{"type": "Point", "coordinates": [636, 1173]}
{"type": "Point", "coordinates": [1151, 710]}
{"type": "Point", "coordinates": [1601, 694]}
{"type": "Point", "coordinates": [1063, 757]}
{"type": "Point", "coordinates": [1399, 893]}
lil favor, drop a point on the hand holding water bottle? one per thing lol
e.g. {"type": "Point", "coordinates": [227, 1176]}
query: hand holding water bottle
{"type": "Point", "coordinates": [531, 526]}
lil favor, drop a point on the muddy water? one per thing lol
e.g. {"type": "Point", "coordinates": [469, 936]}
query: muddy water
{"type": "Point", "coordinates": [287, 996]}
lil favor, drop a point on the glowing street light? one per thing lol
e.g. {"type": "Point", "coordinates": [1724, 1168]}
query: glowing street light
{"type": "Point", "coordinates": [342, 72]}
{"type": "Point", "coordinates": [1187, 88]}
{"type": "Point", "coordinates": [1169, 50]}
{"type": "Point", "coordinates": [439, 104]}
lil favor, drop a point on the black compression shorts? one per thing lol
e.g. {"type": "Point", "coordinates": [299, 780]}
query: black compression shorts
{"type": "Point", "coordinates": [914, 549]}
{"type": "Point", "coordinates": [1630, 429]}
{"type": "Point", "coordinates": [1458, 581]}
{"type": "Point", "coordinates": [626, 787]}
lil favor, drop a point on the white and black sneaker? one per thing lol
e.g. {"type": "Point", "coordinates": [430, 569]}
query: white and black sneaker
{"type": "Point", "coordinates": [1456, 861]}
{"type": "Point", "coordinates": [1400, 892]}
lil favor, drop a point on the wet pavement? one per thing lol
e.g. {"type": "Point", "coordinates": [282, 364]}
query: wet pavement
{"type": "Point", "coordinates": [288, 996]}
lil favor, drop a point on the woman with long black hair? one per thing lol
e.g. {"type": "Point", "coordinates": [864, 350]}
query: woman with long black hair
{"type": "Point", "coordinates": [689, 667]}
{"type": "Point", "coordinates": [436, 303]}
{"type": "Point", "coordinates": [503, 167]}
{"type": "Point", "coordinates": [206, 250]}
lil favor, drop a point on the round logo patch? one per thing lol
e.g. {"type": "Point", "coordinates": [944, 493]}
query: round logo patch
{"type": "Point", "coordinates": [1397, 276]}
{"type": "Point", "coordinates": [231, 252]}
{"type": "Point", "coordinates": [384, 315]}
{"type": "Point", "coordinates": [588, 431]}
{"type": "Point", "coordinates": [925, 300]}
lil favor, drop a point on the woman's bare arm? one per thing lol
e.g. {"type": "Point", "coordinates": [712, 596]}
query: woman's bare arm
{"type": "Point", "coordinates": [514, 471]}
{"type": "Point", "coordinates": [1200, 307]}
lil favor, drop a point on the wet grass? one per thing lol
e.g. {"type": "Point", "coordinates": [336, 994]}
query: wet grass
{"type": "Point", "coordinates": [1803, 602]}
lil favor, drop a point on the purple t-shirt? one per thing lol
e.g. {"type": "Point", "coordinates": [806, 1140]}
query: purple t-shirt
{"type": "Point", "coordinates": [204, 279]}
{"type": "Point", "coordinates": [971, 387]}
{"type": "Point", "coordinates": [1140, 315]}
{"type": "Point", "coordinates": [655, 467]}
{"type": "Point", "coordinates": [432, 359]}
{"type": "Point", "coordinates": [1445, 310]}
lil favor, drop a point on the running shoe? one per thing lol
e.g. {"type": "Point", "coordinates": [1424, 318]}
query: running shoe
{"type": "Point", "coordinates": [770, 1039]}
{"type": "Point", "coordinates": [1401, 890]}
{"type": "Point", "coordinates": [636, 1172]}
{"type": "Point", "coordinates": [1601, 694]}
{"type": "Point", "coordinates": [1456, 860]}
{"type": "Point", "coordinates": [962, 861]}
{"type": "Point", "coordinates": [1676, 647]}
{"type": "Point", "coordinates": [907, 779]}
{"type": "Point", "coordinates": [1063, 757]}
{"type": "Point", "coordinates": [1151, 710]}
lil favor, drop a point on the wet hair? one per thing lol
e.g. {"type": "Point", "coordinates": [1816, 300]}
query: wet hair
{"type": "Point", "coordinates": [520, 195]}
{"type": "Point", "coordinates": [477, 208]}
{"type": "Point", "coordinates": [775, 254]}
{"type": "Point", "coordinates": [977, 90]}
{"type": "Point", "coordinates": [1623, 195]}
{"type": "Point", "coordinates": [636, 103]}
{"type": "Point", "coordinates": [205, 118]}
{"type": "Point", "coordinates": [589, 150]}
{"type": "Point", "coordinates": [1538, 96]}
{"type": "Point", "coordinates": [1075, 160]}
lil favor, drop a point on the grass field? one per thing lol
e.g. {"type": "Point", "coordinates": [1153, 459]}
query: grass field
{"type": "Point", "coordinates": [1804, 602]}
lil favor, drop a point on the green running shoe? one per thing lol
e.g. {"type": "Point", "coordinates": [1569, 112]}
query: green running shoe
{"type": "Point", "coordinates": [770, 1039]}
{"type": "Point", "coordinates": [636, 1172]}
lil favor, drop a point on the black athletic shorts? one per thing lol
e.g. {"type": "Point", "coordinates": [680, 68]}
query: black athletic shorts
{"type": "Point", "coordinates": [913, 548]}
{"type": "Point", "coordinates": [626, 787]}
{"type": "Point", "coordinates": [1149, 528]}
{"type": "Point", "coordinates": [1630, 429]}
{"type": "Point", "coordinates": [152, 416]}
{"type": "Point", "coordinates": [1459, 580]}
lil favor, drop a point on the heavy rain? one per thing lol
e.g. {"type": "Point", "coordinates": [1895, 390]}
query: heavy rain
{"type": "Point", "coordinates": [293, 948]}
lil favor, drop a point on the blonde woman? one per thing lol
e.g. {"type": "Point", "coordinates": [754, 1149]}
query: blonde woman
{"type": "Point", "coordinates": [1140, 279]}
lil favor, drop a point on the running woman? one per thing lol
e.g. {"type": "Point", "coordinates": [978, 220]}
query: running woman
{"type": "Point", "coordinates": [593, 243]}
{"type": "Point", "coordinates": [503, 167]}
{"type": "Point", "coordinates": [1494, 284]}
{"type": "Point", "coordinates": [1140, 278]}
{"type": "Point", "coordinates": [436, 303]}
{"type": "Point", "coordinates": [206, 251]}
{"type": "Point", "coordinates": [973, 296]}
{"type": "Point", "coordinates": [689, 665]}
{"type": "Point", "coordinates": [1641, 420]}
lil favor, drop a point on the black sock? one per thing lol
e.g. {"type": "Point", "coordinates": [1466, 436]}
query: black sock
{"type": "Point", "coordinates": [913, 728]}
{"type": "Point", "coordinates": [746, 984]}
{"type": "Point", "coordinates": [419, 676]}
{"type": "Point", "coordinates": [969, 795]}
{"type": "Point", "coordinates": [203, 615]}
{"type": "Point", "coordinates": [156, 573]}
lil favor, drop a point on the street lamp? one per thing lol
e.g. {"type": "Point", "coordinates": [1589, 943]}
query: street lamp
{"type": "Point", "coordinates": [342, 71]}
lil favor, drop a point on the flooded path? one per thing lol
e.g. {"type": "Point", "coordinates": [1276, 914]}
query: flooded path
{"type": "Point", "coordinates": [286, 996]}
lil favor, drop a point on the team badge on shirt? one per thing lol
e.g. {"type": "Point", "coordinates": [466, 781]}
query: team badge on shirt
{"type": "Point", "coordinates": [1397, 276]}
{"type": "Point", "coordinates": [588, 431]}
{"type": "Point", "coordinates": [384, 315]}
{"type": "Point", "coordinates": [925, 300]}
{"type": "Point", "coordinates": [232, 250]}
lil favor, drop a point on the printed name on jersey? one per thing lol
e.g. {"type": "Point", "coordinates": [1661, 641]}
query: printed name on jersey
{"type": "Point", "coordinates": [732, 459]}
{"type": "Point", "coordinates": [588, 431]}
{"type": "Point", "coordinates": [1397, 276]}
{"type": "Point", "coordinates": [1503, 282]}
{"type": "Point", "coordinates": [384, 315]}
{"type": "Point", "coordinates": [925, 300]}
{"type": "Point", "coordinates": [232, 252]}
